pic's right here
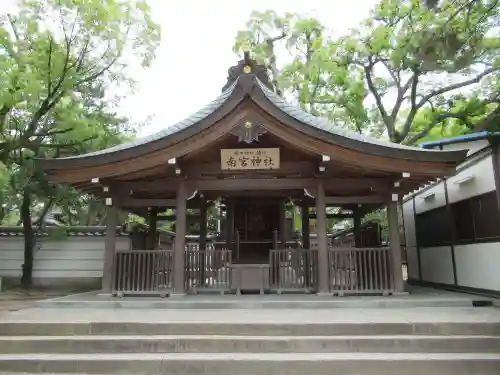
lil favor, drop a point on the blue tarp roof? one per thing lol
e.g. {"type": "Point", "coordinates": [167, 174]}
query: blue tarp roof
{"type": "Point", "coordinates": [461, 138]}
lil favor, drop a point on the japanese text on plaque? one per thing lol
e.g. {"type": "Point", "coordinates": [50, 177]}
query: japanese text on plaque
{"type": "Point", "coordinates": [251, 158]}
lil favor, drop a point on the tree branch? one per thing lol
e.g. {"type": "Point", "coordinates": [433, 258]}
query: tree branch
{"type": "Point", "coordinates": [49, 66]}
{"type": "Point", "coordinates": [413, 83]}
{"type": "Point", "coordinates": [456, 86]}
{"type": "Point", "coordinates": [413, 139]}
{"type": "Point", "coordinates": [53, 132]}
{"type": "Point", "coordinates": [44, 213]}
{"type": "Point", "coordinates": [378, 99]}
{"type": "Point", "coordinates": [272, 60]}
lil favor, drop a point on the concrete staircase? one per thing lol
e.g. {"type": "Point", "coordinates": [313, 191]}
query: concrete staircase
{"type": "Point", "coordinates": [223, 348]}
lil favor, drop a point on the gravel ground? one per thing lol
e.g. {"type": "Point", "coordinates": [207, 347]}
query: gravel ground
{"type": "Point", "coordinates": [17, 299]}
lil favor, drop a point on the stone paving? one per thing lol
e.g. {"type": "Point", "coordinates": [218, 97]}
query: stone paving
{"type": "Point", "coordinates": [16, 299]}
{"type": "Point", "coordinates": [27, 309]}
{"type": "Point", "coordinates": [417, 315]}
{"type": "Point", "coordinates": [221, 320]}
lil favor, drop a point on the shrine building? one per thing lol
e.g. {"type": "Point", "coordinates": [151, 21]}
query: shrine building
{"type": "Point", "coordinates": [251, 154]}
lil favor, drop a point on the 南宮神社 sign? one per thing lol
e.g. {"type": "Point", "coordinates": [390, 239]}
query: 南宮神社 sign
{"type": "Point", "coordinates": [250, 158]}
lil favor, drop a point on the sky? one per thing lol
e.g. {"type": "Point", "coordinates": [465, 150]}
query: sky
{"type": "Point", "coordinates": [196, 51]}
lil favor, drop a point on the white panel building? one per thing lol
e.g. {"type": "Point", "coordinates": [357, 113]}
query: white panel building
{"type": "Point", "coordinates": [452, 227]}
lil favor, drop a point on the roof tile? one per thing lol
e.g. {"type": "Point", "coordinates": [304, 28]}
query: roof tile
{"type": "Point", "coordinates": [183, 124]}
{"type": "Point", "coordinates": [325, 124]}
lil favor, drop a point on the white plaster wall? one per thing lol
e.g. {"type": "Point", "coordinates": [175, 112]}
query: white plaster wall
{"type": "Point", "coordinates": [472, 147]}
{"type": "Point", "coordinates": [412, 261]}
{"type": "Point", "coordinates": [437, 264]}
{"type": "Point", "coordinates": [409, 223]}
{"type": "Point", "coordinates": [483, 181]}
{"type": "Point", "coordinates": [410, 240]}
{"type": "Point", "coordinates": [431, 198]}
{"type": "Point", "coordinates": [478, 265]}
{"type": "Point", "coordinates": [72, 257]}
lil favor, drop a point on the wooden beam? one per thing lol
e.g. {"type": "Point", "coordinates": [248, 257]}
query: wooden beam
{"type": "Point", "coordinates": [262, 195]}
{"type": "Point", "coordinates": [142, 202]}
{"type": "Point", "coordinates": [245, 184]}
{"type": "Point", "coordinates": [252, 184]}
{"type": "Point", "coordinates": [332, 216]}
{"type": "Point", "coordinates": [174, 217]}
{"type": "Point", "coordinates": [363, 199]}
{"type": "Point", "coordinates": [130, 202]}
{"type": "Point", "coordinates": [197, 170]}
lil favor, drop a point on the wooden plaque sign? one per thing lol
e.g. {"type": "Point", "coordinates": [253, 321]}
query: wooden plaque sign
{"type": "Point", "coordinates": [250, 158]}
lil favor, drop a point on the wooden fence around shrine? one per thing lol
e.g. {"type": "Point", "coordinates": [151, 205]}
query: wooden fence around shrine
{"type": "Point", "coordinates": [143, 272]}
{"type": "Point", "coordinates": [350, 271]}
{"type": "Point", "coordinates": [208, 270]}
{"type": "Point", "coordinates": [293, 270]}
{"type": "Point", "coordinates": [360, 271]}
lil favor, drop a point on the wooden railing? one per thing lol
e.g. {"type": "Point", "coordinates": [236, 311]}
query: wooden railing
{"type": "Point", "coordinates": [342, 243]}
{"type": "Point", "coordinates": [360, 271]}
{"type": "Point", "coordinates": [293, 270]}
{"type": "Point", "coordinates": [195, 246]}
{"type": "Point", "coordinates": [143, 272]}
{"type": "Point", "coordinates": [208, 270]}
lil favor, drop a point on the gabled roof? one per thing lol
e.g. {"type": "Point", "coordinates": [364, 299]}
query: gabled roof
{"type": "Point", "coordinates": [253, 83]}
{"type": "Point", "coordinates": [169, 130]}
{"type": "Point", "coordinates": [351, 139]}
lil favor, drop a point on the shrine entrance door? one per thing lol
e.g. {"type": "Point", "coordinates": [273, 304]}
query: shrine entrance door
{"type": "Point", "coordinates": [255, 220]}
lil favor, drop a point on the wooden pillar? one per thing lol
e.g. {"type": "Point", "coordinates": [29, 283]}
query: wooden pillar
{"type": "Point", "coordinates": [109, 250]}
{"type": "Point", "coordinates": [306, 236]}
{"type": "Point", "coordinates": [229, 223]}
{"type": "Point", "coordinates": [180, 238]}
{"type": "Point", "coordinates": [395, 242]}
{"type": "Point", "coordinates": [203, 224]}
{"type": "Point", "coordinates": [152, 228]}
{"type": "Point", "coordinates": [358, 238]}
{"type": "Point", "coordinates": [283, 235]}
{"type": "Point", "coordinates": [322, 239]}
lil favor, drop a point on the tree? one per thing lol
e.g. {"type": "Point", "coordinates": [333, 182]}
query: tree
{"type": "Point", "coordinates": [402, 73]}
{"type": "Point", "coordinates": [57, 57]}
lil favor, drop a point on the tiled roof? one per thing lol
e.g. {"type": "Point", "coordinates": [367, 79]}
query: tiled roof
{"type": "Point", "coordinates": [325, 124]}
{"type": "Point", "coordinates": [80, 231]}
{"type": "Point", "coordinates": [279, 102]}
{"type": "Point", "coordinates": [191, 120]}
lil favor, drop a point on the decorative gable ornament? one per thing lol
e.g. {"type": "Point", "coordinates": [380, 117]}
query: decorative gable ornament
{"type": "Point", "coordinates": [248, 131]}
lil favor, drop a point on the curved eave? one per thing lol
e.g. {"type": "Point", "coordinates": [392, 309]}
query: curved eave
{"type": "Point", "coordinates": [178, 132]}
{"type": "Point", "coordinates": [272, 104]}
{"type": "Point", "coordinates": [323, 129]}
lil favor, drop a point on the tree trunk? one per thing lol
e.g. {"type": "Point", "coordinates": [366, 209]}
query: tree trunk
{"type": "Point", "coordinates": [91, 214]}
{"type": "Point", "coordinates": [102, 220]}
{"type": "Point", "coordinates": [29, 241]}
{"type": "Point", "coordinates": [41, 219]}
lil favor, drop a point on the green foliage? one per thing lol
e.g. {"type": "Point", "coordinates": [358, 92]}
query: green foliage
{"type": "Point", "coordinates": [57, 60]}
{"type": "Point", "coordinates": [406, 73]}
{"type": "Point", "coordinates": [57, 57]}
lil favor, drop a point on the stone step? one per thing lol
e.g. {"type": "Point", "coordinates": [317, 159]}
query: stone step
{"type": "Point", "coordinates": [265, 302]}
{"type": "Point", "coordinates": [249, 344]}
{"type": "Point", "coordinates": [256, 363]}
{"type": "Point", "coordinates": [192, 327]}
